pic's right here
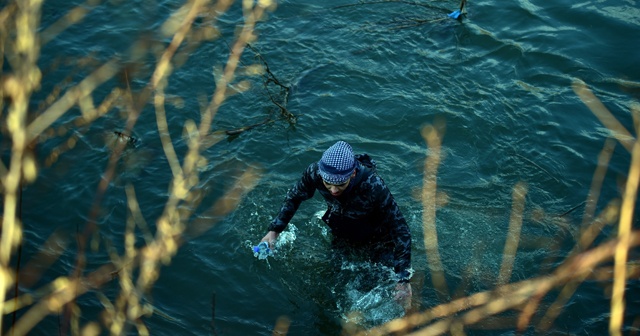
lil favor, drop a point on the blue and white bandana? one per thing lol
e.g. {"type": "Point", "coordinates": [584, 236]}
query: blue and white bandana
{"type": "Point", "coordinates": [337, 163]}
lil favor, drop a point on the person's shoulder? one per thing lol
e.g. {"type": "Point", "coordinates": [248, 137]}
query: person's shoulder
{"type": "Point", "coordinates": [370, 178]}
{"type": "Point", "coordinates": [375, 178]}
{"type": "Point", "coordinates": [312, 171]}
{"type": "Point", "coordinates": [314, 167]}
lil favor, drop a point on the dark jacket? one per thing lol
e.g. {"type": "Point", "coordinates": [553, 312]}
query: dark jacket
{"type": "Point", "coordinates": [364, 215]}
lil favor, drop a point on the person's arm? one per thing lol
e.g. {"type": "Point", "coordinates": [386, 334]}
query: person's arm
{"type": "Point", "coordinates": [402, 253]}
{"type": "Point", "coordinates": [301, 191]}
{"type": "Point", "coordinates": [398, 229]}
{"type": "Point", "coordinates": [401, 236]}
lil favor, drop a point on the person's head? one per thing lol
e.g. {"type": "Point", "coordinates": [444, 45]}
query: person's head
{"type": "Point", "coordinates": [337, 166]}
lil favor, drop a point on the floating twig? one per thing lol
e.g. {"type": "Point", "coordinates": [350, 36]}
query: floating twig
{"type": "Point", "coordinates": [418, 22]}
{"type": "Point", "coordinates": [535, 164]}
{"type": "Point", "coordinates": [246, 128]}
{"type": "Point", "coordinates": [270, 76]}
{"type": "Point", "coordinates": [284, 89]}
{"type": "Point", "coordinates": [572, 209]}
{"type": "Point", "coordinates": [387, 2]}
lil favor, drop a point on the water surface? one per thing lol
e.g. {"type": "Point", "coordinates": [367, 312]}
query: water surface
{"type": "Point", "coordinates": [367, 74]}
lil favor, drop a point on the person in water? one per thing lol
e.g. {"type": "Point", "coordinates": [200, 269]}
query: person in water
{"type": "Point", "coordinates": [361, 213]}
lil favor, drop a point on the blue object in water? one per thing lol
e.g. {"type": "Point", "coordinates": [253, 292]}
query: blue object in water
{"type": "Point", "coordinates": [455, 14]}
{"type": "Point", "coordinates": [262, 251]}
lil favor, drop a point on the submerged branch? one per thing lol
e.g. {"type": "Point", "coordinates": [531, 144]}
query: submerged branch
{"type": "Point", "coordinates": [537, 166]}
{"type": "Point", "coordinates": [284, 89]}
{"type": "Point", "coordinates": [572, 209]}
{"type": "Point", "coordinates": [247, 128]}
{"type": "Point", "coordinates": [403, 2]}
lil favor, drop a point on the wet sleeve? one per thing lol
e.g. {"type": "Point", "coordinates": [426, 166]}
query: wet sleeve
{"type": "Point", "coordinates": [301, 191]}
{"type": "Point", "coordinates": [399, 231]}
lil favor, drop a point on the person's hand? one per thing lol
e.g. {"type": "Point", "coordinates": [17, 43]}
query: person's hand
{"type": "Point", "coordinates": [403, 295]}
{"type": "Point", "coordinates": [270, 238]}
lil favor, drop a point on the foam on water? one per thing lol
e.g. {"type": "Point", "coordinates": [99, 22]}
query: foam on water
{"type": "Point", "coordinates": [363, 295]}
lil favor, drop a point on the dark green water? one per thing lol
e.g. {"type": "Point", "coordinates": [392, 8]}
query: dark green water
{"type": "Point", "coordinates": [501, 79]}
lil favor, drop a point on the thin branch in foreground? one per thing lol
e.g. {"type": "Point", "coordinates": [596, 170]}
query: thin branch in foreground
{"type": "Point", "coordinates": [17, 87]}
{"type": "Point", "coordinates": [432, 135]}
{"type": "Point", "coordinates": [513, 234]}
{"type": "Point", "coordinates": [596, 182]}
{"type": "Point", "coordinates": [69, 19]}
{"type": "Point", "coordinates": [65, 290]}
{"type": "Point", "coordinates": [599, 110]}
{"type": "Point", "coordinates": [606, 217]}
{"type": "Point", "coordinates": [489, 303]}
{"type": "Point", "coordinates": [624, 235]}
{"type": "Point", "coordinates": [70, 98]}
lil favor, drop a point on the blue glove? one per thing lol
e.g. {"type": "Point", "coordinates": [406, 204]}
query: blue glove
{"type": "Point", "coordinates": [455, 14]}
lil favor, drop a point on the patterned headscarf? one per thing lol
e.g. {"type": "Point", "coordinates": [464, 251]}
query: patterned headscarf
{"type": "Point", "coordinates": [337, 163]}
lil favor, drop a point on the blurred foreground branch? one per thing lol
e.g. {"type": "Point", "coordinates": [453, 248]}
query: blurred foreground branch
{"type": "Point", "coordinates": [510, 296]}
{"type": "Point", "coordinates": [583, 262]}
{"type": "Point", "coordinates": [433, 137]}
{"type": "Point", "coordinates": [138, 267]}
